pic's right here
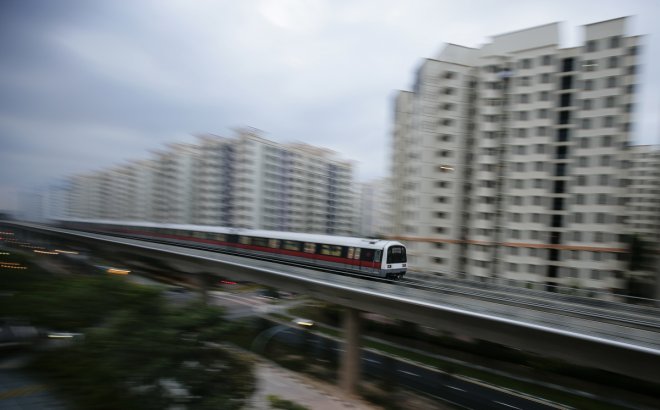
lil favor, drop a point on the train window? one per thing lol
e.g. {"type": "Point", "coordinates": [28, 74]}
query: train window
{"type": "Point", "coordinates": [396, 254]}
{"type": "Point", "coordinates": [260, 242]}
{"type": "Point", "coordinates": [356, 255]}
{"type": "Point", "coordinates": [291, 246]}
{"type": "Point", "coordinates": [245, 240]}
{"type": "Point", "coordinates": [220, 237]}
{"type": "Point", "coordinates": [198, 234]}
{"type": "Point", "coordinates": [367, 255]}
{"type": "Point", "coordinates": [310, 247]}
{"type": "Point", "coordinates": [331, 250]}
{"type": "Point", "coordinates": [273, 243]}
{"type": "Point", "coordinates": [378, 256]}
{"type": "Point", "coordinates": [350, 253]}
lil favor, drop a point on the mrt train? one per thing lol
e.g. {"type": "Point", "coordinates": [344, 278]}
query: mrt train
{"type": "Point", "coordinates": [372, 257]}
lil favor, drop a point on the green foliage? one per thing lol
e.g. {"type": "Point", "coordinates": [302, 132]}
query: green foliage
{"type": "Point", "coordinates": [131, 360]}
{"type": "Point", "coordinates": [78, 302]}
{"type": "Point", "coordinates": [640, 252]}
{"type": "Point", "coordinates": [277, 402]}
{"type": "Point", "coordinates": [138, 353]}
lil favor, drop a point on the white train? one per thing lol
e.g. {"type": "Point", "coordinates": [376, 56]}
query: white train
{"type": "Point", "coordinates": [374, 257]}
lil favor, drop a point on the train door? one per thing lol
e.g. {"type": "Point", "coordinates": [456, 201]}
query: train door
{"type": "Point", "coordinates": [378, 256]}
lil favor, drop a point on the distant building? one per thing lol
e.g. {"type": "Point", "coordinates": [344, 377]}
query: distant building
{"type": "Point", "coordinates": [246, 182]}
{"type": "Point", "coordinates": [375, 208]}
{"type": "Point", "coordinates": [56, 201]}
{"type": "Point", "coordinates": [644, 193]}
{"type": "Point", "coordinates": [291, 187]}
{"type": "Point", "coordinates": [31, 206]}
{"type": "Point", "coordinates": [173, 184]}
{"type": "Point", "coordinates": [510, 160]}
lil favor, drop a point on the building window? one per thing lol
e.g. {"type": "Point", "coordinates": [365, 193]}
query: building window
{"type": "Point", "coordinates": [588, 85]}
{"type": "Point", "coordinates": [589, 65]}
{"type": "Point", "coordinates": [611, 82]}
{"type": "Point", "coordinates": [560, 170]}
{"type": "Point", "coordinates": [610, 101]}
{"type": "Point", "coordinates": [566, 82]}
{"type": "Point", "coordinates": [567, 64]}
{"type": "Point", "coordinates": [562, 134]}
{"type": "Point", "coordinates": [613, 62]}
{"type": "Point", "coordinates": [591, 46]}
{"type": "Point", "coordinates": [615, 41]}
{"type": "Point", "coordinates": [546, 59]}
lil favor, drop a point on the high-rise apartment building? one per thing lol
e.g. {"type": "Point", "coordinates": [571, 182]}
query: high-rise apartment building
{"type": "Point", "coordinates": [292, 187]}
{"type": "Point", "coordinates": [511, 160]}
{"type": "Point", "coordinates": [644, 193]}
{"type": "Point", "coordinates": [374, 208]}
{"type": "Point", "coordinates": [245, 182]}
{"type": "Point", "coordinates": [172, 199]}
{"type": "Point", "coordinates": [213, 181]}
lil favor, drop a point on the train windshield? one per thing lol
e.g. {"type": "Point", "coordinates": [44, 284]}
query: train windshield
{"type": "Point", "coordinates": [396, 254]}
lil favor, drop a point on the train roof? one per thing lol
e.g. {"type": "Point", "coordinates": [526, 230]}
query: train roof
{"type": "Point", "coordinates": [292, 236]}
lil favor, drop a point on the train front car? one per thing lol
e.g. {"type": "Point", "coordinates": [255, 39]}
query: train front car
{"type": "Point", "coordinates": [395, 262]}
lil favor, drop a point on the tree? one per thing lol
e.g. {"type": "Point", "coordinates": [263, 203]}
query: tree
{"type": "Point", "coordinates": [639, 254]}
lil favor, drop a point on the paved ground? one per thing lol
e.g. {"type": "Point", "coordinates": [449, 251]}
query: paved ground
{"type": "Point", "coordinates": [18, 391]}
{"type": "Point", "coordinates": [272, 379]}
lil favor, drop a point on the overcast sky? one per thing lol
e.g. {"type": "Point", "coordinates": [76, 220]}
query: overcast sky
{"type": "Point", "coordinates": [87, 84]}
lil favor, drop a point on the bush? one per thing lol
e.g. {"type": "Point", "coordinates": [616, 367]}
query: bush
{"type": "Point", "coordinates": [277, 402]}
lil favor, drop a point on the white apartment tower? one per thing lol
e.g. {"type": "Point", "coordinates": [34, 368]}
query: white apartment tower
{"type": "Point", "coordinates": [511, 161]}
{"type": "Point", "coordinates": [644, 193]}
{"type": "Point", "coordinates": [374, 206]}
{"type": "Point", "coordinates": [291, 187]}
{"type": "Point", "coordinates": [213, 181]}
{"type": "Point", "coordinates": [172, 199]}
{"type": "Point", "coordinates": [244, 182]}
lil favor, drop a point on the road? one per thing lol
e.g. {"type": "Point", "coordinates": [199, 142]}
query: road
{"type": "Point", "coordinates": [457, 391]}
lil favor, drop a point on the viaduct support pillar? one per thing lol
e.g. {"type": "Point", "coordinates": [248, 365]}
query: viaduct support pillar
{"type": "Point", "coordinates": [349, 366]}
{"type": "Point", "coordinates": [203, 282]}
